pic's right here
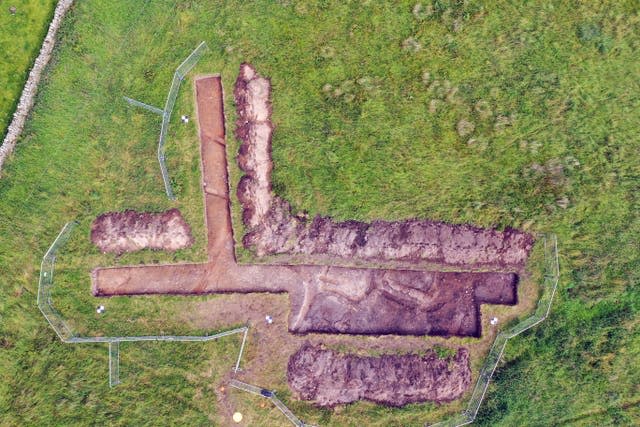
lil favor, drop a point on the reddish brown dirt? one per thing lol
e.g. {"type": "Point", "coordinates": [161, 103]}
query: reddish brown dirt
{"type": "Point", "coordinates": [272, 229]}
{"type": "Point", "coordinates": [400, 302]}
{"type": "Point", "coordinates": [334, 299]}
{"type": "Point", "coordinates": [323, 299]}
{"type": "Point", "coordinates": [329, 378]}
{"type": "Point", "coordinates": [131, 231]}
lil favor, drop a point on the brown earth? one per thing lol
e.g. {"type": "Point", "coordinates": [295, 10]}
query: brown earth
{"type": "Point", "coordinates": [399, 302]}
{"type": "Point", "coordinates": [269, 346]}
{"type": "Point", "coordinates": [334, 299]}
{"type": "Point", "coordinates": [323, 299]}
{"type": "Point", "coordinates": [328, 378]}
{"type": "Point", "coordinates": [131, 231]}
{"type": "Point", "coordinates": [272, 229]}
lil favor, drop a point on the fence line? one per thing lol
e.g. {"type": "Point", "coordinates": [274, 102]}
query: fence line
{"type": "Point", "coordinates": [148, 107]}
{"type": "Point", "coordinates": [64, 332]}
{"type": "Point", "coordinates": [114, 363]}
{"type": "Point", "coordinates": [550, 284]}
{"type": "Point", "coordinates": [244, 340]}
{"type": "Point", "coordinates": [271, 395]}
{"type": "Point", "coordinates": [66, 335]}
{"type": "Point", "coordinates": [179, 74]}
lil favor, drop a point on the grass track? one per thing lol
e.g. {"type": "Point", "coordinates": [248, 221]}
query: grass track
{"type": "Point", "coordinates": [552, 90]}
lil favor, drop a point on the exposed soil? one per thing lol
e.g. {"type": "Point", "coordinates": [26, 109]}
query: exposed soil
{"type": "Point", "coordinates": [400, 302]}
{"type": "Point", "coordinates": [334, 299]}
{"type": "Point", "coordinates": [324, 300]}
{"type": "Point", "coordinates": [329, 378]}
{"type": "Point", "coordinates": [131, 231]}
{"type": "Point", "coordinates": [269, 346]}
{"type": "Point", "coordinates": [272, 229]}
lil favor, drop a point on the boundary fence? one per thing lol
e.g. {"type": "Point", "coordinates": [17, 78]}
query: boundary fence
{"type": "Point", "coordinates": [66, 334]}
{"type": "Point", "coordinates": [179, 75]}
{"type": "Point", "coordinates": [271, 395]}
{"type": "Point", "coordinates": [549, 286]}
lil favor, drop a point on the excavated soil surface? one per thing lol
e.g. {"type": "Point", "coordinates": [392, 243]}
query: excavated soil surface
{"type": "Point", "coordinates": [334, 299]}
{"type": "Point", "coordinates": [131, 231]}
{"type": "Point", "coordinates": [399, 302]}
{"type": "Point", "coordinates": [331, 299]}
{"type": "Point", "coordinates": [324, 299]}
{"type": "Point", "coordinates": [329, 378]}
{"type": "Point", "coordinates": [272, 229]}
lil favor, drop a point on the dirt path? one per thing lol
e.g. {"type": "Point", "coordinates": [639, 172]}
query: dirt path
{"type": "Point", "coordinates": [323, 298]}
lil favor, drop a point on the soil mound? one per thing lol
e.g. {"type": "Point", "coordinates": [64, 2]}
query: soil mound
{"type": "Point", "coordinates": [272, 229]}
{"type": "Point", "coordinates": [329, 378]}
{"type": "Point", "coordinates": [131, 231]}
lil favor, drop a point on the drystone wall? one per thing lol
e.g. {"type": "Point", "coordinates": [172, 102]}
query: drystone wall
{"type": "Point", "coordinates": [329, 378]}
{"type": "Point", "coordinates": [31, 87]}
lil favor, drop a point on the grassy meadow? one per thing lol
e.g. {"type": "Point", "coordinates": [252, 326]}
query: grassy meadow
{"type": "Point", "coordinates": [503, 114]}
{"type": "Point", "coordinates": [21, 34]}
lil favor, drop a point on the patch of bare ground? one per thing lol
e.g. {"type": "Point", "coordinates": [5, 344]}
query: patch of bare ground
{"type": "Point", "coordinates": [272, 229]}
{"type": "Point", "coordinates": [400, 302]}
{"type": "Point", "coordinates": [131, 231]}
{"type": "Point", "coordinates": [390, 309]}
{"type": "Point", "coordinates": [328, 378]}
{"type": "Point", "coordinates": [269, 346]}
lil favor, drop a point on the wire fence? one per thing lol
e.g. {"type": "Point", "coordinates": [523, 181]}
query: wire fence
{"type": "Point", "coordinates": [179, 75]}
{"type": "Point", "coordinates": [66, 334]}
{"type": "Point", "coordinates": [271, 395]}
{"type": "Point", "coordinates": [549, 286]}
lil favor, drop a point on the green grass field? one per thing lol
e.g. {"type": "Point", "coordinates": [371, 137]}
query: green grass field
{"type": "Point", "coordinates": [368, 103]}
{"type": "Point", "coordinates": [21, 34]}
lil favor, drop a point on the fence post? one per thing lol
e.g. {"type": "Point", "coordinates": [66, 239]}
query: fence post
{"type": "Point", "coordinates": [114, 363]}
{"type": "Point", "coordinates": [244, 339]}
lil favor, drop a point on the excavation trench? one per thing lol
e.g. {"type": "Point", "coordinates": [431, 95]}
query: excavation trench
{"type": "Point", "coordinates": [331, 299]}
{"type": "Point", "coordinates": [323, 298]}
{"type": "Point", "coordinates": [329, 378]}
{"type": "Point", "coordinates": [130, 231]}
{"type": "Point", "coordinates": [273, 230]}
